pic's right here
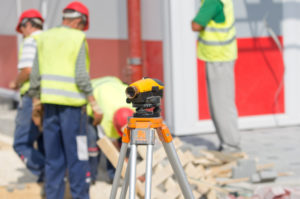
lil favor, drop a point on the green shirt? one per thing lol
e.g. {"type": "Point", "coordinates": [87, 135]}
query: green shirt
{"type": "Point", "coordinates": [210, 10]}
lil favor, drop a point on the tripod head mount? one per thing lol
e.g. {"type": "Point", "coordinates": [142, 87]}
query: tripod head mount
{"type": "Point", "coordinates": [145, 95]}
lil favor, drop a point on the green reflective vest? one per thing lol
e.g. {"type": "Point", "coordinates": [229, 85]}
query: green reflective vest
{"type": "Point", "coordinates": [217, 42]}
{"type": "Point", "coordinates": [58, 49]}
{"type": "Point", "coordinates": [110, 95]}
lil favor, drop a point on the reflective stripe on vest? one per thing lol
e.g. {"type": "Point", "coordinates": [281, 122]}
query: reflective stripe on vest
{"type": "Point", "coordinates": [58, 78]}
{"type": "Point", "coordinates": [58, 49]}
{"type": "Point", "coordinates": [70, 94]}
{"type": "Point", "coordinates": [217, 42]}
{"type": "Point", "coordinates": [212, 29]}
{"type": "Point", "coordinates": [61, 79]}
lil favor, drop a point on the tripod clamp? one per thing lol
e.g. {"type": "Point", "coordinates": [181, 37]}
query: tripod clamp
{"type": "Point", "coordinates": [141, 131]}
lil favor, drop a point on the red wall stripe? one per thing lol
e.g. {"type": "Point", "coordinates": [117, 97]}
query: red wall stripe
{"type": "Point", "coordinates": [108, 57]}
{"type": "Point", "coordinates": [258, 72]}
{"type": "Point", "coordinates": [153, 60]}
{"type": "Point", "coordinates": [8, 59]}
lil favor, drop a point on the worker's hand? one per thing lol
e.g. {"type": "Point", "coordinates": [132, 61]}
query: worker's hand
{"type": "Point", "coordinates": [116, 144]}
{"type": "Point", "coordinates": [13, 85]}
{"type": "Point", "coordinates": [37, 113]}
{"type": "Point", "coordinates": [97, 112]}
{"type": "Point", "coordinates": [197, 27]}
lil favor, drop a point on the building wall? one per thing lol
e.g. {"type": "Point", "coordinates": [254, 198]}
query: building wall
{"type": "Point", "coordinates": [266, 71]}
{"type": "Point", "coordinates": [107, 36]}
{"type": "Point", "coordinates": [259, 68]}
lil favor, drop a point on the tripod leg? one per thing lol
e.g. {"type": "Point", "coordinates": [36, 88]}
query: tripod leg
{"type": "Point", "coordinates": [126, 182]}
{"type": "Point", "coordinates": [132, 178]}
{"type": "Point", "coordinates": [149, 171]}
{"type": "Point", "coordinates": [116, 181]}
{"type": "Point", "coordinates": [178, 170]}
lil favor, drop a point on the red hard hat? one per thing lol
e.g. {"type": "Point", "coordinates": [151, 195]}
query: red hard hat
{"type": "Point", "coordinates": [32, 13]}
{"type": "Point", "coordinates": [79, 7]}
{"type": "Point", "coordinates": [120, 118]}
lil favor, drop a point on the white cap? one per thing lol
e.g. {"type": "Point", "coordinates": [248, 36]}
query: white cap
{"type": "Point", "coordinates": [72, 15]}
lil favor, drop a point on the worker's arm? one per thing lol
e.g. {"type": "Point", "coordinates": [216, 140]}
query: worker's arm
{"type": "Point", "coordinates": [22, 77]}
{"type": "Point", "coordinates": [25, 63]}
{"type": "Point", "coordinates": [210, 10]}
{"type": "Point", "coordinates": [82, 80]}
{"type": "Point", "coordinates": [34, 90]}
{"type": "Point", "coordinates": [97, 112]}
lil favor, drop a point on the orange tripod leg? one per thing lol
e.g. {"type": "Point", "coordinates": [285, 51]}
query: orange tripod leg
{"type": "Point", "coordinates": [164, 134]}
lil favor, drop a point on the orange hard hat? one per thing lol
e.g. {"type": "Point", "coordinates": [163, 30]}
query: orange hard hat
{"type": "Point", "coordinates": [81, 8]}
{"type": "Point", "coordinates": [31, 13]}
{"type": "Point", "coordinates": [120, 118]}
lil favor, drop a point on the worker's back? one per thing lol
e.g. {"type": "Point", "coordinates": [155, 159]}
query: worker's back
{"type": "Point", "coordinates": [110, 95]}
{"type": "Point", "coordinates": [58, 50]}
{"type": "Point", "coordinates": [59, 47]}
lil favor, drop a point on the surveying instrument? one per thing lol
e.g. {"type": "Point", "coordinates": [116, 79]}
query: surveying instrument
{"type": "Point", "coordinates": [145, 96]}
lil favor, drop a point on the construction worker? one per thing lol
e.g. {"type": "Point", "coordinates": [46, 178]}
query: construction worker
{"type": "Point", "coordinates": [60, 86]}
{"type": "Point", "coordinates": [110, 95]}
{"type": "Point", "coordinates": [218, 48]}
{"type": "Point", "coordinates": [26, 132]}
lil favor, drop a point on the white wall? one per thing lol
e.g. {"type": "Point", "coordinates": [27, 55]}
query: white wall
{"type": "Point", "coordinates": [108, 19]}
{"type": "Point", "coordinates": [181, 68]}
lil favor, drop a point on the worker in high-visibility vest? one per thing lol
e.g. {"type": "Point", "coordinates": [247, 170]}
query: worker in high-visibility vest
{"type": "Point", "coordinates": [26, 132]}
{"type": "Point", "coordinates": [110, 94]}
{"type": "Point", "coordinates": [218, 48]}
{"type": "Point", "coordinates": [60, 85]}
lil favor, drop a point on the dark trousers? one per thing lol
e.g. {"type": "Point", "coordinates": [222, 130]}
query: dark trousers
{"type": "Point", "coordinates": [65, 141]}
{"type": "Point", "coordinates": [26, 133]}
{"type": "Point", "coordinates": [95, 153]}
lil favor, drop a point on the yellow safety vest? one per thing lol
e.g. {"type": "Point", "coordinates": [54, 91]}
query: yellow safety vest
{"type": "Point", "coordinates": [110, 95]}
{"type": "Point", "coordinates": [58, 49]}
{"type": "Point", "coordinates": [217, 42]}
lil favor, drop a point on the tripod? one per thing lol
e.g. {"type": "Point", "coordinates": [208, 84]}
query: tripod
{"type": "Point", "coordinates": [141, 131]}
